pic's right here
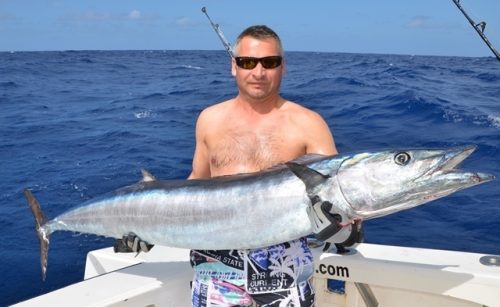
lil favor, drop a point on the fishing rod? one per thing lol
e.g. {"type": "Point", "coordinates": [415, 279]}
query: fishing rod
{"type": "Point", "coordinates": [217, 30]}
{"type": "Point", "coordinates": [479, 29]}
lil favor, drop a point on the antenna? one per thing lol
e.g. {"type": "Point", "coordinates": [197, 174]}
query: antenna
{"type": "Point", "coordinates": [479, 27]}
{"type": "Point", "coordinates": [217, 30]}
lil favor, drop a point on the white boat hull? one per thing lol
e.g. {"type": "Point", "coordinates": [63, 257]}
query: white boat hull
{"type": "Point", "coordinates": [373, 274]}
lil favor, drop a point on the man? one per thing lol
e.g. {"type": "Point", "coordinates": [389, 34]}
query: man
{"type": "Point", "coordinates": [251, 132]}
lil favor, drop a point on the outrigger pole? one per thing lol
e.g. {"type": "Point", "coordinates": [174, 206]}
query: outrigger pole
{"type": "Point", "coordinates": [479, 29]}
{"type": "Point", "coordinates": [215, 26]}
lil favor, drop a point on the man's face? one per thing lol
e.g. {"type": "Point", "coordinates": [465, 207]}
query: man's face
{"type": "Point", "coordinates": [258, 83]}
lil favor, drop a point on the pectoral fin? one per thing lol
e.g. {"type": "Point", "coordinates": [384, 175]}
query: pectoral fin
{"type": "Point", "coordinates": [310, 177]}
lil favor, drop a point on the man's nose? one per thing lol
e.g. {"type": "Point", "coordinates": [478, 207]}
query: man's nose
{"type": "Point", "coordinates": [259, 71]}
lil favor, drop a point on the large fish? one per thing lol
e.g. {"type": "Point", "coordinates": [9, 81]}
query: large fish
{"type": "Point", "coordinates": [267, 207]}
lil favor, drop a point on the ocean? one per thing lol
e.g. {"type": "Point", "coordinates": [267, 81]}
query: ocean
{"type": "Point", "coordinates": [77, 124]}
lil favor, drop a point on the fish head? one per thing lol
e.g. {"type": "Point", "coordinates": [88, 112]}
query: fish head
{"type": "Point", "coordinates": [381, 183]}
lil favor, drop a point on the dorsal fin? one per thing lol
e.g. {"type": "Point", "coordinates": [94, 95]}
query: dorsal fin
{"type": "Point", "coordinates": [147, 176]}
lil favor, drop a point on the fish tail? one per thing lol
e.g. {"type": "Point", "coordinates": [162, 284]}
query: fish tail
{"type": "Point", "coordinates": [43, 234]}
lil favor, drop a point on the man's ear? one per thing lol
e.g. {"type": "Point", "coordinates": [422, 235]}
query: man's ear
{"type": "Point", "coordinates": [233, 67]}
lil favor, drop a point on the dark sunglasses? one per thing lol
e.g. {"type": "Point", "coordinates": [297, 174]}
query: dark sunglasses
{"type": "Point", "coordinates": [267, 62]}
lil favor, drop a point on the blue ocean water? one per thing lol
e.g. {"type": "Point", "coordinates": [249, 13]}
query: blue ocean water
{"type": "Point", "coordinates": [77, 124]}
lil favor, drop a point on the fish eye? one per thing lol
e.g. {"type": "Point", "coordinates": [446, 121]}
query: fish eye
{"type": "Point", "coordinates": [402, 158]}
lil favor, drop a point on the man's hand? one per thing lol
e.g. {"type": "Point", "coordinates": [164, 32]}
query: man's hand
{"type": "Point", "coordinates": [329, 227]}
{"type": "Point", "coordinates": [324, 224]}
{"type": "Point", "coordinates": [131, 243]}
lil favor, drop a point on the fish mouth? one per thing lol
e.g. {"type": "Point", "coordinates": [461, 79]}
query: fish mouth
{"type": "Point", "coordinates": [455, 156]}
{"type": "Point", "coordinates": [448, 177]}
{"type": "Point", "coordinates": [447, 165]}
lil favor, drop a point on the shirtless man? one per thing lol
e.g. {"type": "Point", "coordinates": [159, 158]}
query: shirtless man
{"type": "Point", "coordinates": [253, 131]}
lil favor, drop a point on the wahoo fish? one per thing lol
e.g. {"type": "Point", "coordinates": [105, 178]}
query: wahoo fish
{"type": "Point", "coordinates": [272, 206]}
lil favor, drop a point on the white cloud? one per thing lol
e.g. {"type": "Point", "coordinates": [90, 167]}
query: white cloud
{"type": "Point", "coordinates": [427, 22]}
{"type": "Point", "coordinates": [183, 21]}
{"type": "Point", "coordinates": [99, 17]}
{"type": "Point", "coordinates": [419, 22]}
{"type": "Point", "coordinates": [96, 16]}
{"type": "Point", "coordinates": [85, 17]}
{"type": "Point", "coordinates": [186, 23]}
{"type": "Point", "coordinates": [135, 14]}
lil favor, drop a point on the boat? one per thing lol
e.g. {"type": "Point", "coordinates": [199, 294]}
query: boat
{"type": "Point", "coordinates": [367, 275]}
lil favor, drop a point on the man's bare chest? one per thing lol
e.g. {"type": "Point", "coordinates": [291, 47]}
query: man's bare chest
{"type": "Point", "coordinates": [239, 150]}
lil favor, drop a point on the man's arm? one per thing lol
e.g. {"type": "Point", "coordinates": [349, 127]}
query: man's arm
{"type": "Point", "coordinates": [201, 163]}
{"type": "Point", "coordinates": [319, 138]}
{"type": "Point", "coordinates": [327, 226]}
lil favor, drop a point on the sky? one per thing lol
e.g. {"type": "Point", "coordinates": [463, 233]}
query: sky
{"type": "Point", "coordinates": [418, 27]}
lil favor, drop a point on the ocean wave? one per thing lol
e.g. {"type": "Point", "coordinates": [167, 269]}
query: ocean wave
{"type": "Point", "coordinates": [182, 92]}
{"type": "Point", "coordinates": [117, 66]}
{"type": "Point", "coordinates": [462, 71]}
{"type": "Point", "coordinates": [86, 60]}
{"type": "Point", "coordinates": [489, 77]}
{"type": "Point", "coordinates": [494, 120]}
{"type": "Point", "coordinates": [153, 96]}
{"type": "Point", "coordinates": [188, 67]}
{"type": "Point", "coordinates": [145, 114]}
{"type": "Point", "coordinates": [315, 83]}
{"type": "Point", "coordinates": [472, 117]}
{"type": "Point", "coordinates": [9, 84]}
{"type": "Point", "coordinates": [348, 81]}
{"type": "Point", "coordinates": [82, 189]}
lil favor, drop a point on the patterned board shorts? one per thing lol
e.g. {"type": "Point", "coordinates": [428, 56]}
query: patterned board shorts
{"type": "Point", "coordinates": [278, 275]}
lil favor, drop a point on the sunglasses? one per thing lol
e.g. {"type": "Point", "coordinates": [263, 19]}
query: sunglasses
{"type": "Point", "coordinates": [267, 62]}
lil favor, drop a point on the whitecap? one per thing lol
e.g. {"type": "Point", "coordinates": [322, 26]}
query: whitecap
{"type": "Point", "coordinates": [144, 114]}
{"type": "Point", "coordinates": [191, 67]}
{"type": "Point", "coordinates": [452, 116]}
{"type": "Point", "coordinates": [494, 120]}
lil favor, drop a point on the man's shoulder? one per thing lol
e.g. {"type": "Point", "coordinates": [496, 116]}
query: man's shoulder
{"type": "Point", "coordinates": [295, 107]}
{"type": "Point", "coordinates": [300, 112]}
{"type": "Point", "coordinates": [214, 110]}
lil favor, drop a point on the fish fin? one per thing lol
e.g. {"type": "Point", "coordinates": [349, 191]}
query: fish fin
{"type": "Point", "coordinates": [147, 176]}
{"type": "Point", "coordinates": [310, 177]}
{"type": "Point", "coordinates": [305, 159]}
{"type": "Point", "coordinates": [43, 235]}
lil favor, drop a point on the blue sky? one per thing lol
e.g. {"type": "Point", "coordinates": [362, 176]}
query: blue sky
{"type": "Point", "coordinates": [421, 27]}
